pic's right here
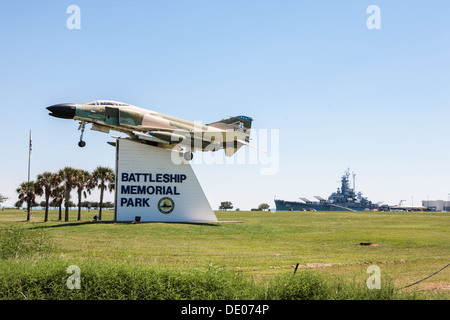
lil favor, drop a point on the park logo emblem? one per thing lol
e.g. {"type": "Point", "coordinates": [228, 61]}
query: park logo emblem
{"type": "Point", "coordinates": [166, 205]}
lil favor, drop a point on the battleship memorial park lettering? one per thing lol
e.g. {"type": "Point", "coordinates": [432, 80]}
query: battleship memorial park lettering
{"type": "Point", "coordinates": [150, 186]}
{"type": "Point", "coordinates": [148, 189]}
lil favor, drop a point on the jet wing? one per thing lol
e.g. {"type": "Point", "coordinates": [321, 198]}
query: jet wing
{"type": "Point", "coordinates": [148, 137]}
{"type": "Point", "coordinates": [194, 140]}
{"type": "Point", "coordinates": [248, 144]}
{"type": "Point", "coordinates": [231, 147]}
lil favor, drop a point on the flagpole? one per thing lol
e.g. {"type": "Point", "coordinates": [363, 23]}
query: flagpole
{"type": "Point", "coordinates": [29, 162]}
{"type": "Point", "coordinates": [29, 159]}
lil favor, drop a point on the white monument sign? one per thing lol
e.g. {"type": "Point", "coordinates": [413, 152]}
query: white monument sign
{"type": "Point", "coordinates": [150, 186]}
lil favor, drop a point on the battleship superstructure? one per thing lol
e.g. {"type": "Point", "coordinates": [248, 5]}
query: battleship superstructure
{"type": "Point", "coordinates": [344, 199]}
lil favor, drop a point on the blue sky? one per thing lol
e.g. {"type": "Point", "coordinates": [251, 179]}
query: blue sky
{"type": "Point", "coordinates": [339, 94]}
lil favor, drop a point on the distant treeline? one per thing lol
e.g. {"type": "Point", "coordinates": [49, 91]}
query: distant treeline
{"type": "Point", "coordinates": [95, 205]}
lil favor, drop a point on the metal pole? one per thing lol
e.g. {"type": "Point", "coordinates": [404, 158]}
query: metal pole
{"type": "Point", "coordinates": [29, 157]}
{"type": "Point", "coordinates": [29, 163]}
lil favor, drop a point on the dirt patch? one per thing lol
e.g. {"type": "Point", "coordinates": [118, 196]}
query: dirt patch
{"type": "Point", "coordinates": [369, 244]}
{"type": "Point", "coordinates": [276, 254]}
{"type": "Point", "coordinates": [327, 265]}
{"type": "Point", "coordinates": [441, 286]}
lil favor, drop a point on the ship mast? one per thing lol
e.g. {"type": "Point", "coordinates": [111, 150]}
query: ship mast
{"type": "Point", "coordinates": [354, 183]}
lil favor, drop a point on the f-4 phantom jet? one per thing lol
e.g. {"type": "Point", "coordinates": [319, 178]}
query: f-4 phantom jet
{"type": "Point", "coordinates": [157, 129]}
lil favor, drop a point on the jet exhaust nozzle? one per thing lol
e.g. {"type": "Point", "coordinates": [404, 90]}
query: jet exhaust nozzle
{"type": "Point", "coordinates": [62, 110]}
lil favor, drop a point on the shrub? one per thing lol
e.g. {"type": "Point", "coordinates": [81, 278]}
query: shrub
{"type": "Point", "coordinates": [47, 279]}
{"type": "Point", "coordinates": [312, 285]}
{"type": "Point", "coordinates": [21, 242]}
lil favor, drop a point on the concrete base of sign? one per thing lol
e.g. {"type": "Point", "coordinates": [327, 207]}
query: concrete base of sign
{"type": "Point", "coordinates": [151, 187]}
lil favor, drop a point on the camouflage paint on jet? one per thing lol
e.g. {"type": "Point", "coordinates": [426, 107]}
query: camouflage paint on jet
{"type": "Point", "coordinates": [157, 129]}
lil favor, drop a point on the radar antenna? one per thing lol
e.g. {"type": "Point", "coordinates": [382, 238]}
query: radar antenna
{"type": "Point", "coordinates": [354, 182]}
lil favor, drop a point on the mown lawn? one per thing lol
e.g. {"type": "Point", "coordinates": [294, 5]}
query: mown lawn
{"type": "Point", "coordinates": [406, 246]}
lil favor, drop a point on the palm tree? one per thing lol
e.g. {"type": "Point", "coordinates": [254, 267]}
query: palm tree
{"type": "Point", "coordinates": [84, 183]}
{"type": "Point", "coordinates": [58, 197]}
{"type": "Point", "coordinates": [46, 184]}
{"type": "Point", "coordinates": [69, 178]}
{"type": "Point", "coordinates": [3, 198]}
{"type": "Point", "coordinates": [27, 195]}
{"type": "Point", "coordinates": [104, 178]}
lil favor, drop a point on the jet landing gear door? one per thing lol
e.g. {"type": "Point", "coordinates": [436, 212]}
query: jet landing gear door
{"type": "Point", "coordinates": [112, 116]}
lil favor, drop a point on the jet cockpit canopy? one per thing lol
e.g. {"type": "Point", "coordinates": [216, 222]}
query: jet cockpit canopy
{"type": "Point", "coordinates": [107, 103]}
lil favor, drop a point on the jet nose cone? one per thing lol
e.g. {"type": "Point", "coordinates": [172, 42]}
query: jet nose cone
{"type": "Point", "coordinates": [62, 110]}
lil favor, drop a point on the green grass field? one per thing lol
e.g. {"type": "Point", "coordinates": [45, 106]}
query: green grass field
{"type": "Point", "coordinates": [263, 245]}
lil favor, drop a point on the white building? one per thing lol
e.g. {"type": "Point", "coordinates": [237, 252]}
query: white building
{"type": "Point", "coordinates": [437, 205]}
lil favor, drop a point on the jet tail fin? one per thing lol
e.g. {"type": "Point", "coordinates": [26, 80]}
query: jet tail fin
{"type": "Point", "coordinates": [240, 132]}
{"type": "Point", "coordinates": [237, 123]}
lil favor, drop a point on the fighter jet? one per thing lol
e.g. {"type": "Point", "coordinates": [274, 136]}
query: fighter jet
{"type": "Point", "coordinates": [157, 129]}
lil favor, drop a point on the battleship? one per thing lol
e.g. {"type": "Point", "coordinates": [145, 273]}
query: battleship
{"type": "Point", "coordinates": [344, 199]}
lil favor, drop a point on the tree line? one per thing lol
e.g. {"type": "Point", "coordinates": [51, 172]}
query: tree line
{"type": "Point", "coordinates": [95, 205]}
{"type": "Point", "coordinates": [225, 205]}
{"type": "Point", "coordinates": [56, 188]}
